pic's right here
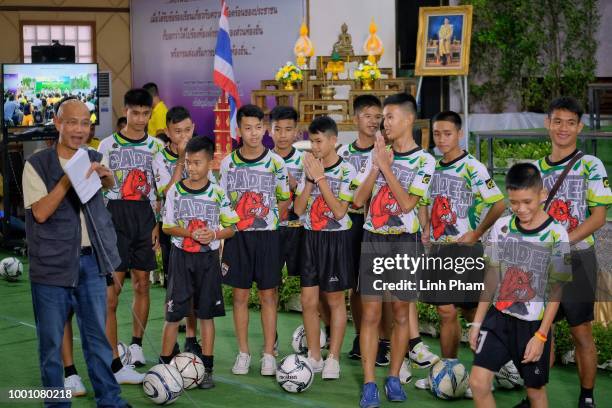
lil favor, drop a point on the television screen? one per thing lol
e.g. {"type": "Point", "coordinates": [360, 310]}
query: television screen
{"type": "Point", "coordinates": [32, 91]}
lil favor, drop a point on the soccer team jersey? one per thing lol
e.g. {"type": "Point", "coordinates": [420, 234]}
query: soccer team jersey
{"type": "Point", "coordinates": [170, 160]}
{"type": "Point", "coordinates": [191, 209]}
{"type": "Point", "coordinates": [357, 157]}
{"type": "Point", "coordinates": [318, 216]}
{"type": "Point", "coordinates": [136, 166]}
{"type": "Point", "coordinates": [460, 191]}
{"type": "Point", "coordinates": [413, 170]}
{"type": "Point", "coordinates": [586, 185]}
{"type": "Point", "coordinates": [254, 188]}
{"type": "Point", "coordinates": [294, 162]}
{"type": "Point", "coordinates": [527, 262]}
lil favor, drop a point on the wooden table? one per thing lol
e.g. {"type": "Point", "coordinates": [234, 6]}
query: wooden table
{"type": "Point", "coordinates": [311, 108]}
{"type": "Point", "coordinates": [282, 96]}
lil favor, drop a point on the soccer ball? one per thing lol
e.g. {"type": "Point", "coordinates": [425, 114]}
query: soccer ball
{"type": "Point", "coordinates": [11, 269]}
{"type": "Point", "coordinates": [508, 377]}
{"type": "Point", "coordinates": [191, 368]}
{"type": "Point", "coordinates": [294, 373]}
{"type": "Point", "coordinates": [163, 384]}
{"type": "Point", "coordinates": [299, 343]}
{"type": "Point", "coordinates": [448, 379]}
{"type": "Point", "coordinates": [124, 353]}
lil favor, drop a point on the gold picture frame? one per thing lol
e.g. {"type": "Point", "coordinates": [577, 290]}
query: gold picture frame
{"type": "Point", "coordinates": [443, 41]}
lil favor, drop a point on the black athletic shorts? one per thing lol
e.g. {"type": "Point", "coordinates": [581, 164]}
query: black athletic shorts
{"type": "Point", "coordinates": [291, 246]}
{"type": "Point", "coordinates": [134, 222]}
{"type": "Point", "coordinates": [252, 256]}
{"type": "Point", "coordinates": [327, 260]}
{"type": "Point", "coordinates": [504, 337]}
{"type": "Point", "coordinates": [194, 279]}
{"type": "Point", "coordinates": [379, 277]}
{"type": "Point", "coordinates": [440, 254]}
{"type": "Point", "coordinates": [578, 300]}
{"type": "Point", "coordinates": [356, 237]}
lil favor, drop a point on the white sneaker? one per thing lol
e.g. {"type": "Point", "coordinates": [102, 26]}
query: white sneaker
{"type": "Point", "coordinates": [421, 357]}
{"type": "Point", "coordinates": [75, 384]}
{"type": "Point", "coordinates": [422, 384]}
{"type": "Point", "coordinates": [331, 368]}
{"type": "Point", "coordinates": [317, 366]}
{"type": "Point", "coordinates": [268, 365]}
{"type": "Point", "coordinates": [137, 357]}
{"type": "Point", "coordinates": [405, 373]}
{"type": "Point", "coordinates": [127, 375]}
{"type": "Point", "coordinates": [242, 364]}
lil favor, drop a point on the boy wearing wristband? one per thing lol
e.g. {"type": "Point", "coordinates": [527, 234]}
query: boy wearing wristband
{"type": "Point", "coordinates": [528, 259]}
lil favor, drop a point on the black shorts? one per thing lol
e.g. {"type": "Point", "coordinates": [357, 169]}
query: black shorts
{"type": "Point", "coordinates": [578, 301]}
{"type": "Point", "coordinates": [291, 246]}
{"type": "Point", "coordinates": [383, 282]}
{"type": "Point", "coordinates": [504, 337]}
{"type": "Point", "coordinates": [463, 273]}
{"type": "Point", "coordinates": [194, 279]}
{"type": "Point", "coordinates": [356, 237]}
{"type": "Point", "coordinates": [252, 256]}
{"type": "Point", "coordinates": [327, 260]}
{"type": "Point", "coordinates": [134, 222]}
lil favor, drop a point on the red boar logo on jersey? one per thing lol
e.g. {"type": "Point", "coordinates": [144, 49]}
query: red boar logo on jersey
{"type": "Point", "coordinates": [252, 211]}
{"type": "Point", "coordinates": [135, 186]}
{"type": "Point", "coordinates": [321, 216]}
{"type": "Point", "coordinates": [385, 209]}
{"type": "Point", "coordinates": [190, 244]}
{"type": "Point", "coordinates": [515, 290]}
{"type": "Point", "coordinates": [443, 218]}
{"type": "Point", "coordinates": [561, 211]}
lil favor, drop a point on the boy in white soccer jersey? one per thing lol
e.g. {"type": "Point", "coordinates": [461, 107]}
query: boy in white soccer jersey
{"type": "Point", "coordinates": [528, 260]}
{"type": "Point", "coordinates": [580, 205]}
{"type": "Point", "coordinates": [323, 196]}
{"type": "Point", "coordinates": [135, 158]}
{"type": "Point", "coordinates": [394, 180]}
{"type": "Point", "coordinates": [197, 215]}
{"type": "Point", "coordinates": [256, 183]}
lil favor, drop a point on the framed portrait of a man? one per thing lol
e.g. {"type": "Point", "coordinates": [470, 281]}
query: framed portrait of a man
{"type": "Point", "coordinates": [443, 41]}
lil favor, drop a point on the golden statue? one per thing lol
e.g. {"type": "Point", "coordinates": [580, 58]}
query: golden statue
{"type": "Point", "coordinates": [344, 45]}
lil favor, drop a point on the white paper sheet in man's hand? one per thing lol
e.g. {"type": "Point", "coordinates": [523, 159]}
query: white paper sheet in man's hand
{"type": "Point", "coordinates": [76, 169]}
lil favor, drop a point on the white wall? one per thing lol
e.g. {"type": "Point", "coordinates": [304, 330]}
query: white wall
{"type": "Point", "coordinates": [326, 17]}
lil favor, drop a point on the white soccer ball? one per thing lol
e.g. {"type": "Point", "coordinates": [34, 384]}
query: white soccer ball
{"type": "Point", "coordinates": [124, 353]}
{"type": "Point", "coordinates": [294, 373]}
{"type": "Point", "coordinates": [11, 269]}
{"type": "Point", "coordinates": [508, 377]}
{"type": "Point", "coordinates": [191, 368]}
{"type": "Point", "coordinates": [299, 343]}
{"type": "Point", "coordinates": [163, 384]}
{"type": "Point", "coordinates": [448, 379]}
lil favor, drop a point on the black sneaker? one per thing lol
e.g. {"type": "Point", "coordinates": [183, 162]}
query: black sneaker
{"type": "Point", "coordinates": [355, 353]}
{"type": "Point", "coordinates": [382, 357]}
{"type": "Point", "coordinates": [194, 348]}
{"type": "Point", "coordinates": [182, 328]}
{"type": "Point", "coordinates": [523, 404]}
{"type": "Point", "coordinates": [207, 381]}
{"type": "Point", "coordinates": [586, 403]}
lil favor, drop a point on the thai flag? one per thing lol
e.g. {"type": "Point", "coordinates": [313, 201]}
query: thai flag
{"type": "Point", "coordinates": [223, 75]}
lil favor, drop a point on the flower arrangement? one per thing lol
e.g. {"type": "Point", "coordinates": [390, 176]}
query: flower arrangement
{"type": "Point", "coordinates": [366, 73]}
{"type": "Point", "coordinates": [289, 74]}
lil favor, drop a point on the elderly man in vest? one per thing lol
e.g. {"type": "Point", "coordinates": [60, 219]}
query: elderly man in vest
{"type": "Point", "coordinates": [72, 247]}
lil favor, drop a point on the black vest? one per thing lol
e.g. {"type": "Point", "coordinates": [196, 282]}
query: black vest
{"type": "Point", "coordinates": [54, 247]}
